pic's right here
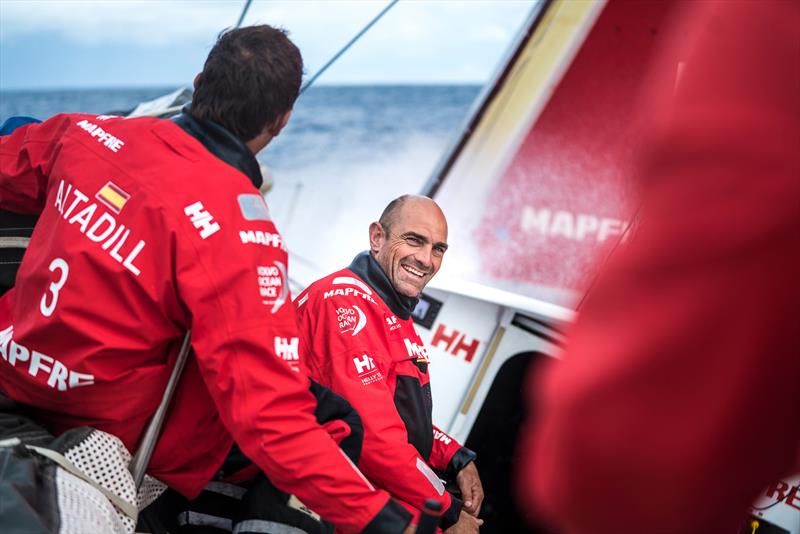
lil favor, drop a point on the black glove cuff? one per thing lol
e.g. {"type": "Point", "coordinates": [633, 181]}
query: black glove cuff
{"type": "Point", "coordinates": [450, 516]}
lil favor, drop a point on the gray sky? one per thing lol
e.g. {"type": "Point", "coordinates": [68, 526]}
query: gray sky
{"type": "Point", "coordinates": [110, 43]}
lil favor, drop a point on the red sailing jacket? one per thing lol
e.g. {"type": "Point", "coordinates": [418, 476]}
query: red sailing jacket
{"type": "Point", "coordinates": [359, 340]}
{"type": "Point", "coordinates": [144, 233]}
{"type": "Point", "coordinates": [677, 402]}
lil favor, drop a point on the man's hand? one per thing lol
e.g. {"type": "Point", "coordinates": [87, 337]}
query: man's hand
{"type": "Point", "coordinates": [410, 529]}
{"type": "Point", "coordinates": [466, 525]}
{"type": "Point", "coordinates": [469, 482]}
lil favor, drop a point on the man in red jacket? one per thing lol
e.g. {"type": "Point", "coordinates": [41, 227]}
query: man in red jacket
{"type": "Point", "coordinates": [359, 340]}
{"type": "Point", "coordinates": [677, 399]}
{"type": "Point", "coordinates": [149, 228]}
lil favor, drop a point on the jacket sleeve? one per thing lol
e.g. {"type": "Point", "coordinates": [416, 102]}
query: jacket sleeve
{"type": "Point", "coordinates": [448, 455]}
{"type": "Point", "coordinates": [26, 157]}
{"type": "Point", "coordinates": [357, 370]}
{"type": "Point", "coordinates": [243, 330]}
{"type": "Point", "coordinates": [677, 394]}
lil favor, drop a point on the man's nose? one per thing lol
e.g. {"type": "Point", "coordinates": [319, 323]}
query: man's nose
{"type": "Point", "coordinates": [425, 257]}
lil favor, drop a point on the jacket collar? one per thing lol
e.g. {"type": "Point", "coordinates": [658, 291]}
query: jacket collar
{"type": "Point", "coordinates": [222, 143]}
{"type": "Point", "coordinates": [370, 271]}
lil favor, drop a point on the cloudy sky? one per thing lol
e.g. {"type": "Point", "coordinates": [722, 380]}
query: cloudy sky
{"type": "Point", "coordinates": [139, 43]}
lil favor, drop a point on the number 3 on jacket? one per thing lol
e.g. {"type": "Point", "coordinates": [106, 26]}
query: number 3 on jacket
{"type": "Point", "coordinates": [55, 287]}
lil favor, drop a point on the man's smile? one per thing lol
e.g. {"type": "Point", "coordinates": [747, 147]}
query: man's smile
{"type": "Point", "coordinates": [413, 271]}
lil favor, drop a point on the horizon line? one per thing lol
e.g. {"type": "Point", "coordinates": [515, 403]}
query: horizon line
{"type": "Point", "coordinates": [175, 86]}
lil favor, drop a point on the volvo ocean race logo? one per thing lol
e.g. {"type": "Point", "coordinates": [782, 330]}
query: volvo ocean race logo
{"type": "Point", "coordinates": [272, 285]}
{"type": "Point", "coordinates": [351, 320]}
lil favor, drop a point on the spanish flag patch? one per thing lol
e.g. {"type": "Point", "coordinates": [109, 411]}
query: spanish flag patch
{"type": "Point", "coordinates": [113, 197]}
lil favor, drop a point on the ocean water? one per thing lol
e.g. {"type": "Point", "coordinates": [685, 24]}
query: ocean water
{"type": "Point", "coordinates": [347, 151]}
{"type": "Point", "coordinates": [348, 123]}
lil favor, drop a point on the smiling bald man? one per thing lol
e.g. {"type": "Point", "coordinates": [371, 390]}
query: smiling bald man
{"type": "Point", "coordinates": [359, 340]}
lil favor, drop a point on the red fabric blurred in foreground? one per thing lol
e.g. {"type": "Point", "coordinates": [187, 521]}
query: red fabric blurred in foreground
{"type": "Point", "coordinates": [677, 400]}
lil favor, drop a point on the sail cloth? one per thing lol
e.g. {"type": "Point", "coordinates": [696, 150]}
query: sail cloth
{"type": "Point", "coordinates": [540, 192]}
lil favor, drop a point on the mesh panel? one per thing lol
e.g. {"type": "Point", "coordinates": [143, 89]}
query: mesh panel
{"type": "Point", "coordinates": [149, 491]}
{"type": "Point", "coordinates": [104, 459]}
{"type": "Point", "coordinates": [83, 509]}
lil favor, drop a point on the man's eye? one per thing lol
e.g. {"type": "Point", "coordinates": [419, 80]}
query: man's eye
{"type": "Point", "coordinates": [439, 251]}
{"type": "Point", "coordinates": [414, 240]}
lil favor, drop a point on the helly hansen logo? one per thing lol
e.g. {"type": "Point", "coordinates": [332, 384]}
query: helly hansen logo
{"type": "Point", "coordinates": [364, 364]}
{"type": "Point", "coordinates": [201, 219]}
{"type": "Point", "coordinates": [455, 342]}
{"type": "Point", "coordinates": [441, 436]}
{"type": "Point", "coordinates": [287, 348]}
{"type": "Point", "coordinates": [416, 351]}
{"type": "Point", "coordinates": [367, 372]}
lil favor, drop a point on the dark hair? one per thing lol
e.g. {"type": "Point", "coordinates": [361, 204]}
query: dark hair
{"type": "Point", "coordinates": [251, 77]}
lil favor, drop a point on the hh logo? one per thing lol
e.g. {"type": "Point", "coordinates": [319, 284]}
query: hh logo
{"type": "Point", "coordinates": [287, 348]}
{"type": "Point", "coordinates": [364, 364]}
{"type": "Point", "coordinates": [201, 219]}
{"type": "Point", "coordinates": [367, 372]}
{"type": "Point", "coordinates": [455, 342]}
{"type": "Point", "coordinates": [416, 351]}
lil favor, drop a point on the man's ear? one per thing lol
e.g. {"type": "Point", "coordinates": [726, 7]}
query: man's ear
{"type": "Point", "coordinates": [376, 236]}
{"type": "Point", "coordinates": [197, 80]}
{"type": "Point", "coordinates": [279, 124]}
